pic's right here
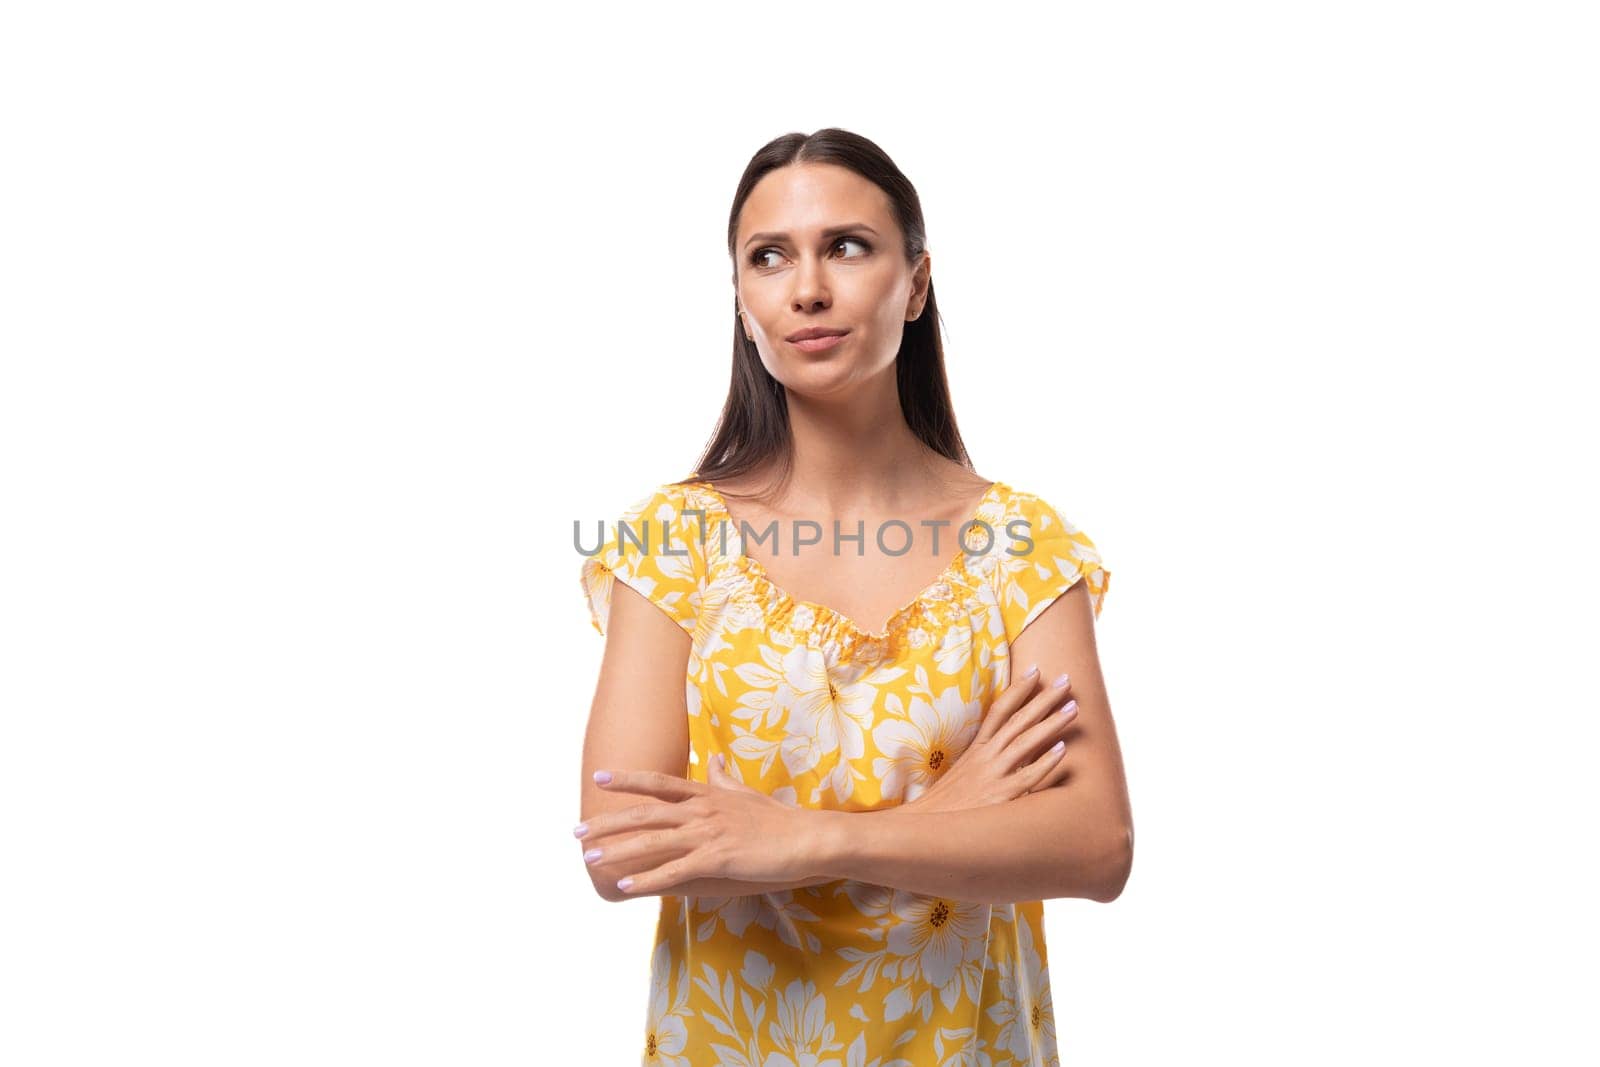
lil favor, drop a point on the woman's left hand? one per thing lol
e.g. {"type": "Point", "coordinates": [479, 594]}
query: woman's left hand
{"type": "Point", "coordinates": [720, 828]}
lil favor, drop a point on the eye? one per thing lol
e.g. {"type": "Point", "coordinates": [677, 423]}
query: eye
{"type": "Point", "coordinates": [755, 257]}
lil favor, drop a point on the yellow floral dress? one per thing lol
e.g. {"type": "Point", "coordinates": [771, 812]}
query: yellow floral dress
{"type": "Point", "coordinates": [810, 708]}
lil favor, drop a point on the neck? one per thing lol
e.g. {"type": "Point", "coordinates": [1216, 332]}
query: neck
{"type": "Point", "coordinates": [857, 452]}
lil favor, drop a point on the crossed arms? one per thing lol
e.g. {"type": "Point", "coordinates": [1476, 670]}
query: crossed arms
{"type": "Point", "coordinates": [1073, 839]}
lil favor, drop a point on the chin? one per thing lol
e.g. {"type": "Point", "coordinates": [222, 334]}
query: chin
{"type": "Point", "coordinates": [820, 378]}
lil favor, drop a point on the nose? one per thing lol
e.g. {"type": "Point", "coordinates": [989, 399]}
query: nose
{"type": "Point", "coordinates": [810, 287]}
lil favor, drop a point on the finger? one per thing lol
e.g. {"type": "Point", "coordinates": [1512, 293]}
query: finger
{"type": "Point", "coordinates": [1009, 700]}
{"type": "Point", "coordinates": [1048, 699]}
{"type": "Point", "coordinates": [1034, 774]}
{"type": "Point", "coordinates": [648, 783]}
{"type": "Point", "coordinates": [1036, 738]}
{"type": "Point", "coordinates": [663, 878]}
{"type": "Point", "coordinates": [641, 851]}
{"type": "Point", "coordinates": [638, 817]}
{"type": "Point", "coordinates": [1058, 774]}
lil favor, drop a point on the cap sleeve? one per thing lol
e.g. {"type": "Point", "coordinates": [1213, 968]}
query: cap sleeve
{"type": "Point", "coordinates": [655, 547]}
{"type": "Point", "coordinates": [1061, 555]}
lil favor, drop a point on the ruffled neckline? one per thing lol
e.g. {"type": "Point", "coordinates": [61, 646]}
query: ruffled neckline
{"type": "Point", "coordinates": [952, 585]}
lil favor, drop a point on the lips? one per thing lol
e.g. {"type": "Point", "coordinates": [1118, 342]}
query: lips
{"type": "Point", "coordinates": [813, 332]}
{"type": "Point", "coordinates": [818, 343]}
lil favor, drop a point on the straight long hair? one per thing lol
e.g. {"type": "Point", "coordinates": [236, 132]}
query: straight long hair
{"type": "Point", "coordinates": [753, 429]}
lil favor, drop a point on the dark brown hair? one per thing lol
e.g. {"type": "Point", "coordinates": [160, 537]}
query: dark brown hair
{"type": "Point", "coordinates": [753, 428]}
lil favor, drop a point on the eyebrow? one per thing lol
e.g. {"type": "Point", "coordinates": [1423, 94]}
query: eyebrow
{"type": "Point", "coordinates": [831, 231]}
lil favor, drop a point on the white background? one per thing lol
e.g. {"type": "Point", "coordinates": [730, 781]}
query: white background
{"type": "Point", "coordinates": [322, 322]}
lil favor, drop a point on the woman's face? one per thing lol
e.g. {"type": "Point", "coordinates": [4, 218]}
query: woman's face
{"type": "Point", "coordinates": [817, 246]}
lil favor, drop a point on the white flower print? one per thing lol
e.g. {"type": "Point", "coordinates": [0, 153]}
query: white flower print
{"type": "Point", "coordinates": [869, 901]}
{"type": "Point", "coordinates": [830, 708]}
{"type": "Point", "coordinates": [677, 554]}
{"type": "Point", "coordinates": [992, 511]}
{"type": "Point", "coordinates": [757, 971]}
{"type": "Point", "coordinates": [936, 935]}
{"type": "Point", "coordinates": [745, 614]}
{"type": "Point", "coordinates": [969, 1049]}
{"type": "Point", "coordinates": [1006, 554]}
{"type": "Point", "coordinates": [1081, 553]}
{"type": "Point", "coordinates": [857, 1056]}
{"type": "Point", "coordinates": [760, 705]}
{"type": "Point", "coordinates": [917, 752]}
{"type": "Point", "coordinates": [779, 912]}
{"type": "Point", "coordinates": [1024, 1013]}
{"type": "Point", "coordinates": [723, 1000]}
{"type": "Point", "coordinates": [802, 1030]}
{"type": "Point", "coordinates": [954, 649]}
{"type": "Point", "coordinates": [736, 913]}
{"type": "Point", "coordinates": [665, 1033]}
{"type": "Point", "coordinates": [707, 638]}
{"type": "Point", "coordinates": [841, 781]}
{"type": "Point", "coordinates": [987, 618]}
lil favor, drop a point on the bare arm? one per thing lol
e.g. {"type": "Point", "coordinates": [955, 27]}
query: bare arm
{"type": "Point", "coordinates": [1071, 840]}
{"type": "Point", "coordinates": [639, 720]}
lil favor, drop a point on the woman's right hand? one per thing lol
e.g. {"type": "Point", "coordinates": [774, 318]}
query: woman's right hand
{"type": "Point", "coordinates": [1019, 748]}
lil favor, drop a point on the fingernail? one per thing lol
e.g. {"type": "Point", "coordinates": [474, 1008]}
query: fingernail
{"type": "Point", "coordinates": [1070, 708]}
{"type": "Point", "coordinates": [1057, 747]}
{"type": "Point", "coordinates": [625, 884]}
{"type": "Point", "coordinates": [592, 855]}
{"type": "Point", "coordinates": [1033, 670]}
{"type": "Point", "coordinates": [602, 777]}
{"type": "Point", "coordinates": [1061, 682]}
{"type": "Point", "coordinates": [580, 829]}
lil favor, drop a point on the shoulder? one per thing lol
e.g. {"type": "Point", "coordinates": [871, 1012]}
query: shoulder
{"type": "Point", "coordinates": [1044, 520]}
{"type": "Point", "coordinates": [651, 502]}
{"type": "Point", "coordinates": [678, 505]}
{"type": "Point", "coordinates": [655, 546]}
{"type": "Point", "coordinates": [1045, 553]}
{"type": "Point", "coordinates": [673, 513]}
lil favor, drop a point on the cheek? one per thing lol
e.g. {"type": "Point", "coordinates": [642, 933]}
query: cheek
{"type": "Point", "coordinates": [890, 296]}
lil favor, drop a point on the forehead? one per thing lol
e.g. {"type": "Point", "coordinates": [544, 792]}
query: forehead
{"type": "Point", "coordinates": [808, 197]}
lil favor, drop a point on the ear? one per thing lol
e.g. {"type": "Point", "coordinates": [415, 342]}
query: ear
{"type": "Point", "coordinates": [921, 279]}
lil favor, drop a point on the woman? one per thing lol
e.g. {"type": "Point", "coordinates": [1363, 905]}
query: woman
{"type": "Point", "coordinates": [801, 691]}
